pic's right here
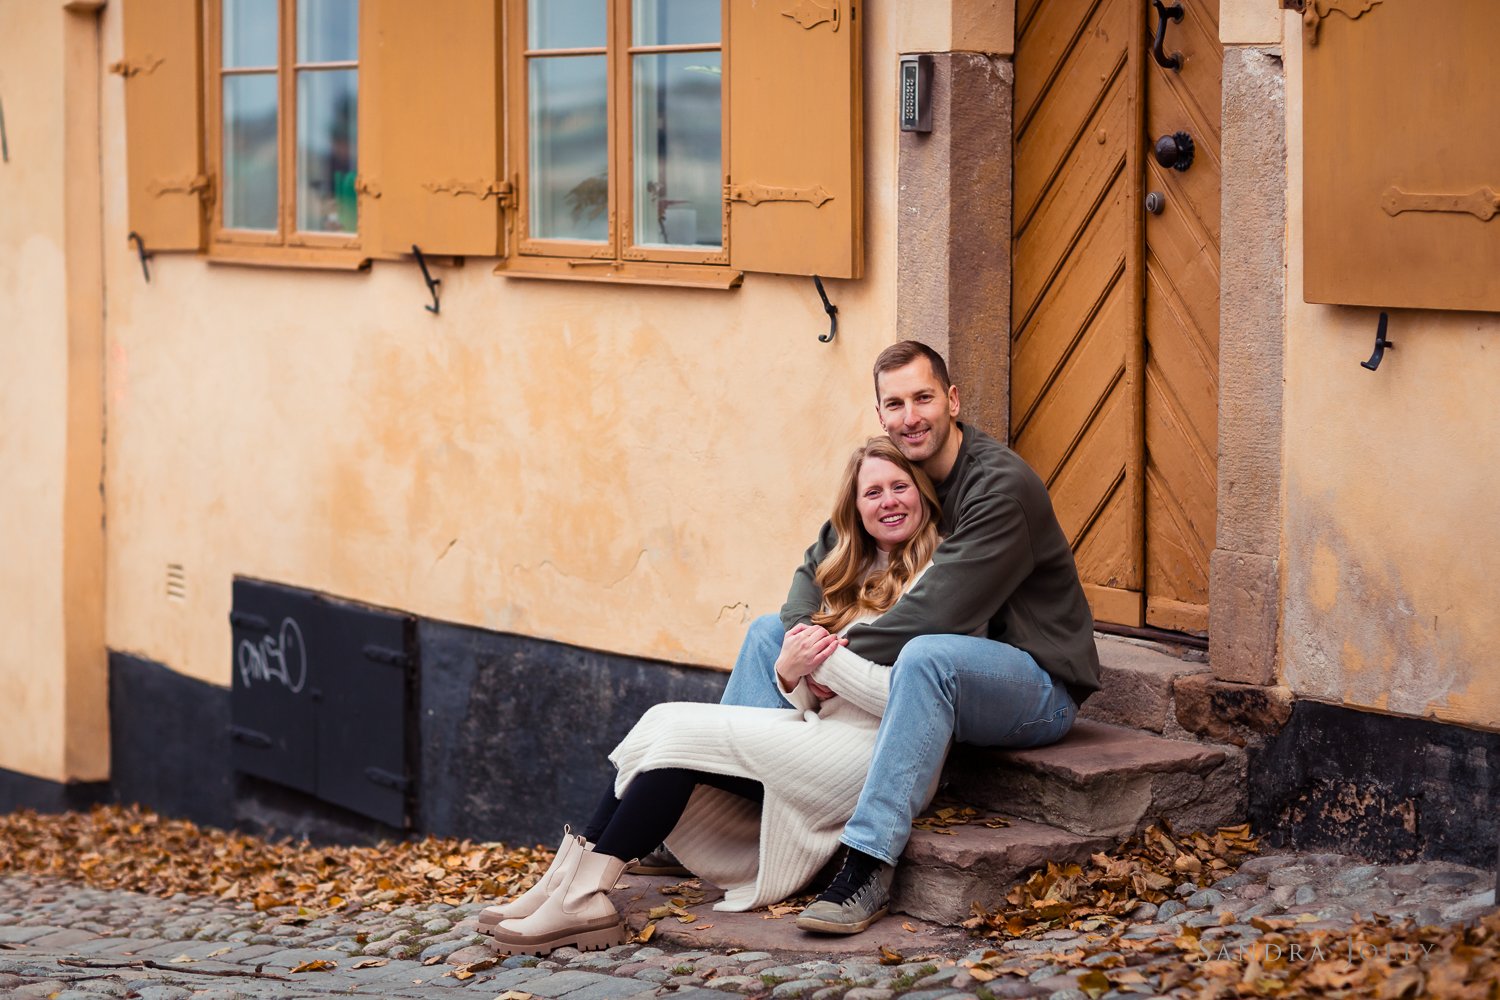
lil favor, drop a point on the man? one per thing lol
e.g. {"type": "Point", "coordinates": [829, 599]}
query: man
{"type": "Point", "coordinates": [994, 646]}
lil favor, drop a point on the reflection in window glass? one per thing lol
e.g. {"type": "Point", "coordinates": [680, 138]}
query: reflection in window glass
{"type": "Point", "coordinates": [569, 133]}
{"type": "Point", "coordinates": [327, 30]}
{"type": "Point", "coordinates": [678, 149]}
{"type": "Point", "coordinates": [565, 24]}
{"type": "Point", "coordinates": [327, 139]}
{"type": "Point", "coordinates": [250, 34]}
{"type": "Point", "coordinates": [250, 151]}
{"type": "Point", "coordinates": [675, 22]}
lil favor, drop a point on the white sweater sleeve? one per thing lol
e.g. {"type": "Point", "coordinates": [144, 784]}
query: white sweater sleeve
{"type": "Point", "coordinates": [850, 675]}
{"type": "Point", "coordinates": [866, 684]}
{"type": "Point", "coordinates": [799, 697]}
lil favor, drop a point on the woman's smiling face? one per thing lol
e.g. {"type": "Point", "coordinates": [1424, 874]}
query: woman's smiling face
{"type": "Point", "coordinates": [890, 505]}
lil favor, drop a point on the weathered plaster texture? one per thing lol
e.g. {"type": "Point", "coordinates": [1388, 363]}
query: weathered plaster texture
{"type": "Point", "coordinates": [1243, 579]}
{"type": "Point", "coordinates": [1390, 540]}
{"type": "Point", "coordinates": [1243, 616]}
{"type": "Point", "coordinates": [953, 233]}
{"type": "Point", "coordinates": [53, 697]}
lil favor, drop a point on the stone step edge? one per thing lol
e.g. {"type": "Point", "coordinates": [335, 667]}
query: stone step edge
{"type": "Point", "coordinates": [1095, 752]}
{"type": "Point", "coordinates": [1138, 680]}
{"type": "Point", "coordinates": [943, 876]}
{"type": "Point", "coordinates": [1165, 690]}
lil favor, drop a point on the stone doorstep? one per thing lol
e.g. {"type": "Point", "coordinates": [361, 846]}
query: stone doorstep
{"type": "Point", "coordinates": [942, 875]}
{"type": "Point", "coordinates": [1138, 680]}
{"type": "Point", "coordinates": [1104, 781]}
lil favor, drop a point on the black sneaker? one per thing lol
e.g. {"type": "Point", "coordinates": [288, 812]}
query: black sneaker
{"type": "Point", "coordinates": [859, 895]}
{"type": "Point", "coordinates": [659, 862]}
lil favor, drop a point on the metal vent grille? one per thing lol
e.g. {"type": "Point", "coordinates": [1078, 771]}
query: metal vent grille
{"type": "Point", "coordinates": [176, 582]}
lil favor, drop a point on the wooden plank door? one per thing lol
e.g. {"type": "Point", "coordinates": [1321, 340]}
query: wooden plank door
{"type": "Point", "coordinates": [1109, 412]}
{"type": "Point", "coordinates": [1182, 324]}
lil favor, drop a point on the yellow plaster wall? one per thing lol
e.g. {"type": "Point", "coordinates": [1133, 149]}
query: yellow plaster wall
{"type": "Point", "coordinates": [1248, 22]}
{"type": "Point", "coordinates": [1392, 540]}
{"type": "Point", "coordinates": [955, 26]}
{"type": "Point", "coordinates": [635, 470]}
{"type": "Point", "coordinates": [33, 392]}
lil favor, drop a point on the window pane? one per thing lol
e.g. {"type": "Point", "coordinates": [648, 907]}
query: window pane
{"type": "Point", "coordinates": [565, 24]}
{"type": "Point", "coordinates": [676, 22]}
{"type": "Point", "coordinates": [569, 148]}
{"type": "Point", "coordinates": [250, 151]}
{"type": "Point", "coordinates": [249, 33]}
{"type": "Point", "coordinates": [679, 181]}
{"type": "Point", "coordinates": [327, 138]}
{"type": "Point", "coordinates": [327, 30]}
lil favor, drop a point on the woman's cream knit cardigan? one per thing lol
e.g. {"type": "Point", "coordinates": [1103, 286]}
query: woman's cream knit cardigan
{"type": "Point", "coordinates": [811, 759]}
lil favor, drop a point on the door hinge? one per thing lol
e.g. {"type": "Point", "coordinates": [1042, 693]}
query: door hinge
{"type": "Point", "coordinates": [384, 654]}
{"type": "Point", "coordinates": [251, 737]}
{"type": "Point", "coordinates": [386, 779]}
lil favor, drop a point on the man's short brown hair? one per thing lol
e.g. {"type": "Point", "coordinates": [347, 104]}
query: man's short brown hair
{"type": "Point", "coordinates": [903, 353]}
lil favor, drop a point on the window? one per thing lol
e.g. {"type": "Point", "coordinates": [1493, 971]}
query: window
{"type": "Point", "coordinates": [617, 114]}
{"type": "Point", "coordinates": [660, 141]}
{"type": "Point", "coordinates": [283, 130]}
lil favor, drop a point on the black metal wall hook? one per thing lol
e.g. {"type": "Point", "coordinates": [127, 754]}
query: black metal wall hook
{"type": "Point", "coordinates": [1381, 346]}
{"type": "Point", "coordinates": [142, 252]}
{"type": "Point", "coordinates": [832, 311]}
{"type": "Point", "coordinates": [1172, 13]}
{"type": "Point", "coordinates": [432, 283]}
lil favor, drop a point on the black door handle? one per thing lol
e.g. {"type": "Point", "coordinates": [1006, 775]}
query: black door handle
{"type": "Point", "coordinates": [1172, 13]}
{"type": "Point", "coordinates": [1175, 150]}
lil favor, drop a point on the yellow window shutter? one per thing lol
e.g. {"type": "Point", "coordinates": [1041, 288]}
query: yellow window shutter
{"type": "Point", "coordinates": [163, 72]}
{"type": "Point", "coordinates": [796, 172]}
{"type": "Point", "coordinates": [437, 109]}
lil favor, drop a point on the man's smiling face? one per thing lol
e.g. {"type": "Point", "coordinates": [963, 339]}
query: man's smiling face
{"type": "Point", "coordinates": [918, 413]}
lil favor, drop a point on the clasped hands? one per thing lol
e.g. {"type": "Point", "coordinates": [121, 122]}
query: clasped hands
{"type": "Point", "coordinates": [803, 651]}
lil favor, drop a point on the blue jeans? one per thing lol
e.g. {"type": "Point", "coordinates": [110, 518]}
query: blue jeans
{"type": "Point", "coordinates": [943, 688]}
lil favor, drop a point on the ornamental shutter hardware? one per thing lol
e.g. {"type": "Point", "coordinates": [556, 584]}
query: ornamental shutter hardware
{"type": "Point", "coordinates": [1314, 11]}
{"type": "Point", "coordinates": [201, 185]}
{"type": "Point", "coordinates": [754, 194]}
{"type": "Point", "coordinates": [1381, 346]}
{"type": "Point", "coordinates": [1483, 204]}
{"type": "Point", "coordinates": [145, 255]}
{"type": "Point", "coordinates": [128, 69]}
{"type": "Point", "coordinates": [810, 14]}
{"type": "Point", "coordinates": [432, 283]}
{"type": "Point", "coordinates": [502, 191]}
{"type": "Point", "coordinates": [832, 311]}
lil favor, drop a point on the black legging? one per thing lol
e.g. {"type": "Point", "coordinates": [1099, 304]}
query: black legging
{"type": "Point", "coordinates": [634, 826]}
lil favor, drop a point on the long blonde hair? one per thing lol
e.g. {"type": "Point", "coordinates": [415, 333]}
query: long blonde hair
{"type": "Point", "coordinates": [849, 589]}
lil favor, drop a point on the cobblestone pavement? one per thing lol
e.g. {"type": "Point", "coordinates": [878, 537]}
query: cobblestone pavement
{"type": "Point", "coordinates": [67, 941]}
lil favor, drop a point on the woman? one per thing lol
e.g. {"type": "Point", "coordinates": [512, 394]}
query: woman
{"type": "Point", "coordinates": [751, 799]}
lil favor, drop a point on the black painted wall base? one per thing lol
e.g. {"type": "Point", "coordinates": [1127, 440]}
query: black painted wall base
{"type": "Point", "coordinates": [514, 737]}
{"type": "Point", "coordinates": [1384, 787]}
{"type": "Point", "coordinates": [515, 732]}
{"type": "Point", "coordinates": [22, 791]}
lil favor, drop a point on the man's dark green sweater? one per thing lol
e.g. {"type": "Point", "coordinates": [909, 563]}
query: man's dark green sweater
{"type": "Point", "coordinates": [1003, 569]}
